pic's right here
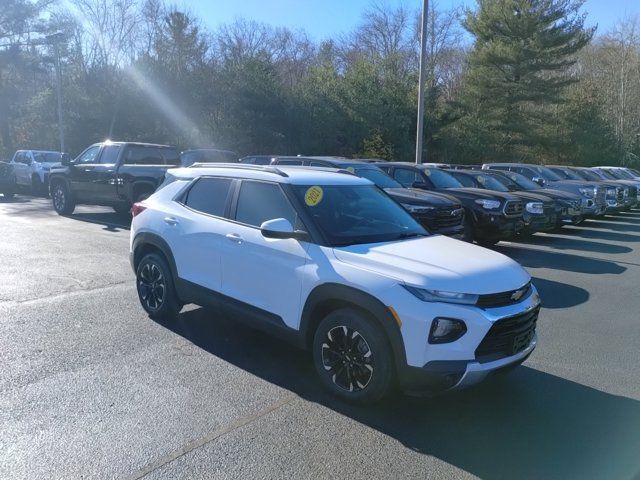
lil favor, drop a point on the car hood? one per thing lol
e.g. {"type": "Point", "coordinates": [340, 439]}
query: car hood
{"type": "Point", "coordinates": [558, 194]}
{"type": "Point", "coordinates": [478, 193]}
{"type": "Point", "coordinates": [50, 165]}
{"type": "Point", "coordinates": [438, 262]}
{"type": "Point", "coordinates": [417, 197]}
{"type": "Point", "coordinates": [532, 197]}
{"type": "Point", "coordinates": [574, 183]}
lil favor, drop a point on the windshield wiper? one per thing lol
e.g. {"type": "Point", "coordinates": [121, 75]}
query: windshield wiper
{"type": "Point", "coordinates": [403, 236]}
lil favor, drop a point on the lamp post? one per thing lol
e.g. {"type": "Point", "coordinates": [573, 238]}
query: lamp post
{"type": "Point", "coordinates": [421, 79]}
{"type": "Point", "coordinates": [55, 39]}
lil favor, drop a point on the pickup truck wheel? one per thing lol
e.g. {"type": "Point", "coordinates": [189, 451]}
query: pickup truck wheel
{"type": "Point", "coordinates": [7, 195]}
{"type": "Point", "coordinates": [352, 357]}
{"type": "Point", "coordinates": [122, 209]}
{"type": "Point", "coordinates": [156, 290]}
{"type": "Point", "coordinates": [61, 199]}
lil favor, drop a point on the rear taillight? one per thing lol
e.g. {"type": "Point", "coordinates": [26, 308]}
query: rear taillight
{"type": "Point", "coordinates": [137, 209]}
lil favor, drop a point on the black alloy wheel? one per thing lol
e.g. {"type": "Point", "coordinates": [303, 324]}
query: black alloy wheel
{"type": "Point", "coordinates": [152, 287]}
{"type": "Point", "coordinates": [60, 197]}
{"type": "Point", "coordinates": [347, 358]}
{"type": "Point", "coordinates": [353, 357]}
{"type": "Point", "coordinates": [156, 291]}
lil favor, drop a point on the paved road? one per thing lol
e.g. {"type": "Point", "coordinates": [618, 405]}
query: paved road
{"type": "Point", "coordinates": [92, 388]}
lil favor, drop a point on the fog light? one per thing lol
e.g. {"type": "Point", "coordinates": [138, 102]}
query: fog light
{"type": "Point", "coordinates": [445, 330]}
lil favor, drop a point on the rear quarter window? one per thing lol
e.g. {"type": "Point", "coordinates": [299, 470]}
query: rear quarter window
{"type": "Point", "coordinates": [209, 195]}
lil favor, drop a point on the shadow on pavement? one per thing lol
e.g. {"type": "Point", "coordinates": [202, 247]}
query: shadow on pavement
{"type": "Point", "coordinates": [559, 295]}
{"type": "Point", "coordinates": [534, 258]}
{"type": "Point", "coordinates": [598, 234]}
{"type": "Point", "coordinates": [563, 243]}
{"type": "Point", "coordinates": [112, 221]}
{"type": "Point", "coordinates": [525, 425]}
{"type": "Point", "coordinates": [615, 226]}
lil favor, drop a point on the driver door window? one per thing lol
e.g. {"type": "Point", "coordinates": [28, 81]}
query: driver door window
{"type": "Point", "coordinates": [89, 155]}
{"type": "Point", "coordinates": [406, 177]}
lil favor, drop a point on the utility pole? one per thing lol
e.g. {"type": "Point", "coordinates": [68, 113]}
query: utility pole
{"type": "Point", "coordinates": [421, 80]}
{"type": "Point", "coordinates": [55, 39]}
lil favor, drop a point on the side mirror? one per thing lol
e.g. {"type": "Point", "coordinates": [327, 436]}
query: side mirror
{"type": "Point", "coordinates": [65, 160]}
{"type": "Point", "coordinates": [280, 228]}
{"type": "Point", "coordinates": [539, 180]}
{"type": "Point", "coordinates": [422, 185]}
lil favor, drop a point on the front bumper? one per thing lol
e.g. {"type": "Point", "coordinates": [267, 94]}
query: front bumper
{"type": "Point", "coordinates": [433, 368]}
{"type": "Point", "coordinates": [592, 207]}
{"type": "Point", "coordinates": [540, 223]}
{"type": "Point", "coordinates": [496, 226]}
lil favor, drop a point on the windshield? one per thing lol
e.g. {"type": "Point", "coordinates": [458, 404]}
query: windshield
{"type": "Point", "coordinates": [356, 214]}
{"type": "Point", "coordinates": [588, 175]}
{"type": "Point", "coordinates": [507, 182]}
{"type": "Point", "coordinates": [484, 181]}
{"type": "Point", "coordinates": [571, 175]}
{"type": "Point", "coordinates": [442, 179]}
{"type": "Point", "coordinates": [546, 173]}
{"type": "Point", "coordinates": [378, 177]}
{"type": "Point", "coordinates": [47, 157]}
{"type": "Point", "coordinates": [618, 174]}
{"type": "Point", "coordinates": [522, 181]}
{"type": "Point", "coordinates": [605, 174]}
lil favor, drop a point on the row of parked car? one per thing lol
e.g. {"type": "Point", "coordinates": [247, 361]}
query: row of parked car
{"type": "Point", "coordinates": [482, 203]}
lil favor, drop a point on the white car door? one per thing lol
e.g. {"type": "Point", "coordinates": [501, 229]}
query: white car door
{"type": "Point", "coordinates": [21, 166]}
{"type": "Point", "coordinates": [195, 230]}
{"type": "Point", "coordinates": [261, 272]}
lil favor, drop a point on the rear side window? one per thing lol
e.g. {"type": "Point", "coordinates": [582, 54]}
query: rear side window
{"type": "Point", "coordinates": [406, 177]}
{"type": "Point", "coordinates": [110, 154]}
{"type": "Point", "coordinates": [288, 162]}
{"type": "Point", "coordinates": [170, 156]}
{"type": "Point", "coordinates": [259, 202]}
{"type": "Point", "coordinates": [209, 195]}
{"type": "Point", "coordinates": [139, 155]}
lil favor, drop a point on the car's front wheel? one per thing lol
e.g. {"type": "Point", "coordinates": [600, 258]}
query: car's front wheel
{"type": "Point", "coordinates": [156, 290]}
{"type": "Point", "coordinates": [61, 199]}
{"type": "Point", "coordinates": [352, 357]}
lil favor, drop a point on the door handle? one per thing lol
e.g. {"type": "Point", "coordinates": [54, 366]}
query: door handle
{"type": "Point", "coordinates": [234, 237]}
{"type": "Point", "coordinates": [170, 221]}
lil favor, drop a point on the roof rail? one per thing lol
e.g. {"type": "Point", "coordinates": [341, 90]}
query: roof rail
{"type": "Point", "coordinates": [242, 166]}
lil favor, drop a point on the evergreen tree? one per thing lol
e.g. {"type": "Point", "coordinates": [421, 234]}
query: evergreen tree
{"type": "Point", "coordinates": [518, 70]}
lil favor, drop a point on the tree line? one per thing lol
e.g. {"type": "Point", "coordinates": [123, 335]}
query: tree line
{"type": "Point", "coordinates": [520, 80]}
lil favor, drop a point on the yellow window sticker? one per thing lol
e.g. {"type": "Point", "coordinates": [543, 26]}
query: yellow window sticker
{"type": "Point", "coordinates": [351, 169]}
{"type": "Point", "coordinates": [427, 172]}
{"type": "Point", "coordinates": [313, 196]}
{"type": "Point", "coordinates": [480, 179]}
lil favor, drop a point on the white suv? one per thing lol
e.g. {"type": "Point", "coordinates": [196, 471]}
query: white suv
{"type": "Point", "coordinates": [331, 263]}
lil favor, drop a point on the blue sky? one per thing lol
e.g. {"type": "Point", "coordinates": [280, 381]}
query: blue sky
{"type": "Point", "coordinates": [326, 18]}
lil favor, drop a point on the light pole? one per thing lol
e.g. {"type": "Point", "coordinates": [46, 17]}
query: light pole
{"type": "Point", "coordinates": [421, 79]}
{"type": "Point", "coordinates": [55, 39]}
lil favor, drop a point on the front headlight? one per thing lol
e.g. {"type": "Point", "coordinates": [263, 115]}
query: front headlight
{"type": "Point", "coordinates": [611, 192]}
{"type": "Point", "coordinates": [417, 208]}
{"type": "Point", "coordinates": [440, 296]}
{"type": "Point", "coordinates": [535, 207]}
{"type": "Point", "coordinates": [587, 192]}
{"type": "Point", "coordinates": [488, 204]}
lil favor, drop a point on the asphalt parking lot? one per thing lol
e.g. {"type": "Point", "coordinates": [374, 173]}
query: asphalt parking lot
{"type": "Point", "coordinates": [90, 387]}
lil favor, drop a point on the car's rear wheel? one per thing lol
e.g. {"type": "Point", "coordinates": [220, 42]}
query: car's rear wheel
{"type": "Point", "coordinates": [156, 290]}
{"type": "Point", "coordinates": [352, 357]}
{"type": "Point", "coordinates": [61, 199]}
{"type": "Point", "coordinates": [122, 209]}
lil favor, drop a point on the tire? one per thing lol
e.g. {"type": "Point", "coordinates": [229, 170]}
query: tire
{"type": "Point", "coordinates": [487, 242]}
{"type": "Point", "coordinates": [63, 202]}
{"type": "Point", "coordinates": [122, 209]}
{"type": "Point", "coordinates": [156, 291]}
{"type": "Point", "coordinates": [468, 229]}
{"type": "Point", "coordinates": [142, 196]}
{"type": "Point", "coordinates": [368, 375]}
{"type": "Point", "coordinates": [8, 195]}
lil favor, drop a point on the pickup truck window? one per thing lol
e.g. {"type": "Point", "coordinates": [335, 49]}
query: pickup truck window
{"type": "Point", "coordinates": [110, 154]}
{"type": "Point", "coordinates": [171, 157]}
{"type": "Point", "coordinates": [139, 155]}
{"type": "Point", "coordinates": [406, 177]}
{"type": "Point", "coordinates": [89, 155]}
{"type": "Point", "coordinates": [209, 195]}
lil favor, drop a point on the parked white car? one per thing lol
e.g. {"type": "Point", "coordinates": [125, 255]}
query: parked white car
{"type": "Point", "coordinates": [331, 263]}
{"type": "Point", "coordinates": [32, 168]}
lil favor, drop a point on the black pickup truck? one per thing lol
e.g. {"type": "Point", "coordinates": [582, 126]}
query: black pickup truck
{"type": "Point", "coordinates": [113, 174]}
